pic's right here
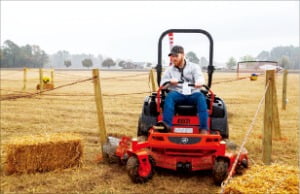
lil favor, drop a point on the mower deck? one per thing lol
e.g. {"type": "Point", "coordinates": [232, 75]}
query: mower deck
{"type": "Point", "coordinates": [190, 151]}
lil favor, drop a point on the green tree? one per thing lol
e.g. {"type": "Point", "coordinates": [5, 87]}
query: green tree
{"type": "Point", "coordinates": [11, 52]}
{"type": "Point", "coordinates": [27, 55]}
{"type": "Point", "coordinates": [108, 63]}
{"type": "Point", "coordinates": [24, 56]}
{"type": "Point", "coordinates": [3, 59]}
{"type": "Point", "coordinates": [247, 58]}
{"type": "Point", "coordinates": [290, 51]}
{"type": "Point", "coordinates": [87, 63]}
{"type": "Point", "coordinates": [192, 57]}
{"type": "Point", "coordinates": [231, 63]}
{"type": "Point", "coordinates": [67, 63]}
{"type": "Point", "coordinates": [284, 62]}
{"type": "Point", "coordinates": [40, 57]}
{"type": "Point", "coordinates": [263, 56]}
{"type": "Point", "coordinates": [203, 62]}
{"type": "Point", "coordinates": [122, 64]}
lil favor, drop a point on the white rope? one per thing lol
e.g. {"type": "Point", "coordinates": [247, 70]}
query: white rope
{"type": "Point", "coordinates": [229, 177]}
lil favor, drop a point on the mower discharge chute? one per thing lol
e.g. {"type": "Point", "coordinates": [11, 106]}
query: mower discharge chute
{"type": "Point", "coordinates": [180, 147]}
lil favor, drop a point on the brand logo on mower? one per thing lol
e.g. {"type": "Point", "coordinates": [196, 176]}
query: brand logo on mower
{"type": "Point", "coordinates": [183, 121]}
{"type": "Point", "coordinates": [184, 140]}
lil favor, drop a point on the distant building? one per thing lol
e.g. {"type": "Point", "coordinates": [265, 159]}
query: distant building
{"type": "Point", "coordinates": [139, 65]}
{"type": "Point", "coordinates": [136, 65]}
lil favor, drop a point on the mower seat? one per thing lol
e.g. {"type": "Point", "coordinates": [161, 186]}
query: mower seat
{"type": "Point", "coordinates": [186, 110]}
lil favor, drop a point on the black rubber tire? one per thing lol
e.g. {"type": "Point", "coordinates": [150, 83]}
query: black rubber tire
{"type": "Point", "coordinates": [241, 167]}
{"type": "Point", "coordinates": [220, 171]}
{"type": "Point", "coordinates": [132, 167]}
{"type": "Point", "coordinates": [144, 124]}
{"type": "Point", "coordinates": [139, 129]}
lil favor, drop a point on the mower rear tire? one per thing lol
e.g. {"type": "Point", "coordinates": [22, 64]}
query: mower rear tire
{"type": "Point", "coordinates": [144, 124]}
{"type": "Point", "coordinates": [132, 168]}
{"type": "Point", "coordinates": [220, 171]}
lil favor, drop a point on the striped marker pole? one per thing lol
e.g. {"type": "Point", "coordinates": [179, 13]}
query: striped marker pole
{"type": "Point", "coordinates": [171, 42]}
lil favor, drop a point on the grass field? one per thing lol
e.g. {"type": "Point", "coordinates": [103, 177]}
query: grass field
{"type": "Point", "coordinates": [72, 109]}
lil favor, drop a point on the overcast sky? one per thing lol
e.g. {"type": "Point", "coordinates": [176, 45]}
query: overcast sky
{"type": "Point", "coordinates": [130, 29]}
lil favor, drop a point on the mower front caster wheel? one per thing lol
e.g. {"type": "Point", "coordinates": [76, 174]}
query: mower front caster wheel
{"type": "Point", "coordinates": [220, 171]}
{"type": "Point", "coordinates": [136, 173]}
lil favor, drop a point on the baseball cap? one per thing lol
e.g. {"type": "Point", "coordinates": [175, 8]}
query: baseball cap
{"type": "Point", "coordinates": [176, 50]}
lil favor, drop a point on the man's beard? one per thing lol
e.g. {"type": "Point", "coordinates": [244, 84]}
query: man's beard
{"type": "Point", "coordinates": [179, 62]}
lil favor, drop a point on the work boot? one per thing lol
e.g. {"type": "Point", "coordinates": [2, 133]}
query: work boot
{"type": "Point", "coordinates": [204, 131]}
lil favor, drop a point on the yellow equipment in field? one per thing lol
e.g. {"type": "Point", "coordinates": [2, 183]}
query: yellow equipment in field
{"type": "Point", "coordinates": [253, 77]}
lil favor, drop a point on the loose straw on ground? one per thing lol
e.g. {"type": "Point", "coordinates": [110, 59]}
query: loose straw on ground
{"type": "Point", "coordinates": [275, 178]}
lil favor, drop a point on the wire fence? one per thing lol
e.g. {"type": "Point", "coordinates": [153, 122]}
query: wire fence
{"type": "Point", "coordinates": [69, 76]}
{"type": "Point", "coordinates": [11, 96]}
{"type": "Point", "coordinates": [25, 94]}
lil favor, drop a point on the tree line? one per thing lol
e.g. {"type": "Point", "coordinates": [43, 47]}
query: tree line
{"type": "Point", "coordinates": [32, 56]}
{"type": "Point", "coordinates": [287, 57]}
{"type": "Point", "coordinates": [65, 59]}
{"type": "Point", "coordinates": [13, 55]}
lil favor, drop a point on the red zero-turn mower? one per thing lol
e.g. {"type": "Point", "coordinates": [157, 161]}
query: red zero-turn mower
{"type": "Point", "coordinates": [180, 147]}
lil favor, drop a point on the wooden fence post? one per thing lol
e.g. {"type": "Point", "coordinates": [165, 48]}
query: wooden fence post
{"type": "Point", "coordinates": [152, 80]}
{"type": "Point", "coordinates": [271, 117]}
{"type": "Point", "coordinates": [238, 71]}
{"type": "Point", "coordinates": [99, 105]}
{"type": "Point", "coordinates": [52, 76]}
{"type": "Point", "coordinates": [275, 117]}
{"type": "Point", "coordinates": [284, 85]}
{"type": "Point", "coordinates": [25, 78]}
{"type": "Point", "coordinates": [267, 135]}
{"type": "Point", "coordinates": [41, 80]}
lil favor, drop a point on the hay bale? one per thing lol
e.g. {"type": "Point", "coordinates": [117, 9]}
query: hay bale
{"type": "Point", "coordinates": [266, 179]}
{"type": "Point", "coordinates": [43, 153]}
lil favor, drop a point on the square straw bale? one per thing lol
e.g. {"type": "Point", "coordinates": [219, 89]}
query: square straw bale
{"type": "Point", "coordinates": [42, 153]}
{"type": "Point", "coordinates": [275, 178]}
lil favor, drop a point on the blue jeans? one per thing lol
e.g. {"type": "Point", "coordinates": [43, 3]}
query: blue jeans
{"type": "Point", "coordinates": [196, 98]}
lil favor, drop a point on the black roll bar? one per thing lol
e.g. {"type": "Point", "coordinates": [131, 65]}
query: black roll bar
{"type": "Point", "coordinates": [210, 68]}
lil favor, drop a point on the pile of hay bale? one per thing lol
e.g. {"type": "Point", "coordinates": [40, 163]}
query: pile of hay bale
{"type": "Point", "coordinates": [42, 153]}
{"type": "Point", "coordinates": [274, 178]}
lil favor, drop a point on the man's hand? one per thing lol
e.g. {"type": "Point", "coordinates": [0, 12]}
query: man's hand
{"type": "Point", "coordinates": [174, 81]}
{"type": "Point", "coordinates": [198, 85]}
